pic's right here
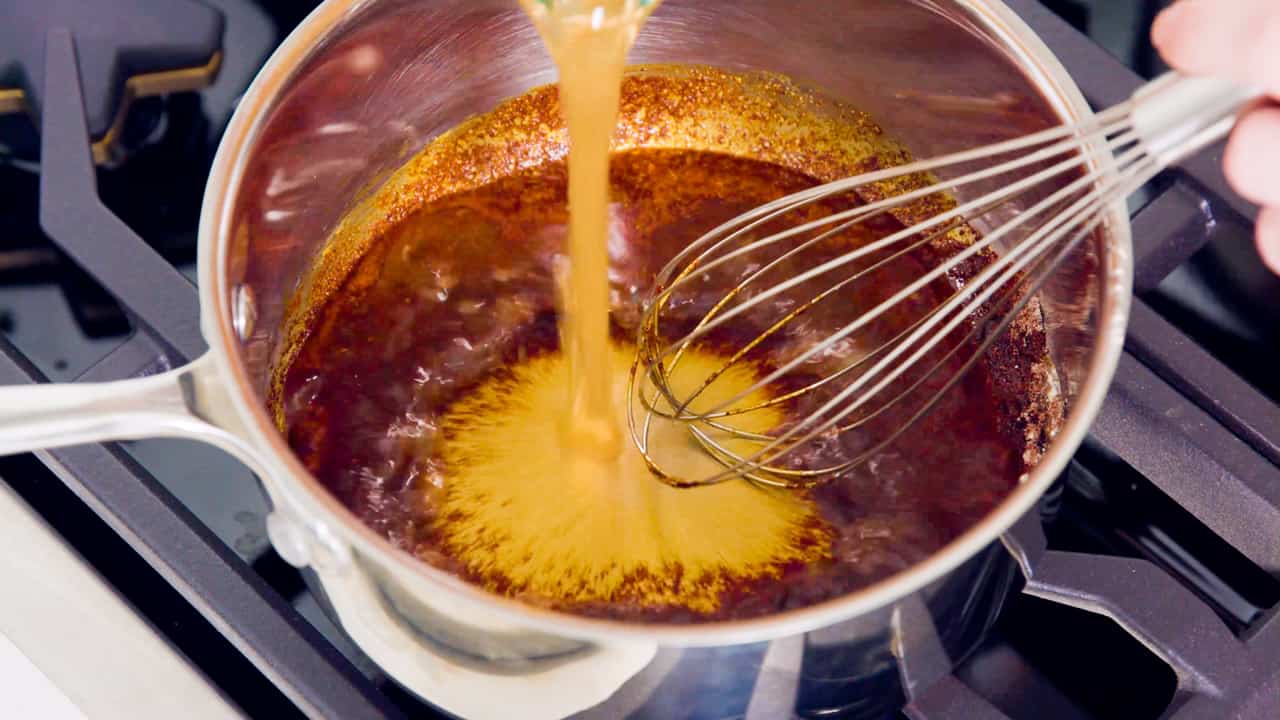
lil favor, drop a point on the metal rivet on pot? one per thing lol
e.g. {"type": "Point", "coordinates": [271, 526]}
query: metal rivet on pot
{"type": "Point", "coordinates": [289, 539]}
{"type": "Point", "coordinates": [244, 311]}
{"type": "Point", "coordinates": [328, 551]}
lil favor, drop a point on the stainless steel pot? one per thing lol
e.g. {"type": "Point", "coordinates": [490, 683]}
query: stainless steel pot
{"type": "Point", "coordinates": [359, 87]}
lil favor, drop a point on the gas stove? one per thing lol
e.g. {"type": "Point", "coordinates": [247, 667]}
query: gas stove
{"type": "Point", "coordinates": [1146, 587]}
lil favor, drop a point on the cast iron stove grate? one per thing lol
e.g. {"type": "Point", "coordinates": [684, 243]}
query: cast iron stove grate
{"type": "Point", "coordinates": [1191, 434]}
{"type": "Point", "coordinates": [76, 65]}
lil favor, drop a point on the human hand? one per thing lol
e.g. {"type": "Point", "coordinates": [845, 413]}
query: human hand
{"type": "Point", "coordinates": [1239, 40]}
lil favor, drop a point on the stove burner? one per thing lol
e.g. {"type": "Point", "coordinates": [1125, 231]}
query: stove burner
{"type": "Point", "coordinates": [124, 55]}
{"type": "Point", "coordinates": [126, 50]}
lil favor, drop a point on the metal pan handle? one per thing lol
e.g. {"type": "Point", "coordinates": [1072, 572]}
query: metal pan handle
{"type": "Point", "coordinates": [182, 403]}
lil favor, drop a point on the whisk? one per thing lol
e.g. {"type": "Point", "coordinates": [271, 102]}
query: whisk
{"type": "Point", "coordinates": [764, 260]}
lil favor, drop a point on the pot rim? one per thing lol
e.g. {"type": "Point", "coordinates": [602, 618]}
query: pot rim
{"type": "Point", "coordinates": [305, 496]}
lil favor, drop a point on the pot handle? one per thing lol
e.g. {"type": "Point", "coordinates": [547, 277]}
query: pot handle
{"type": "Point", "coordinates": [178, 403]}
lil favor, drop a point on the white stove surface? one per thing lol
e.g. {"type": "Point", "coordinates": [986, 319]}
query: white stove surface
{"type": "Point", "coordinates": [72, 649]}
{"type": "Point", "coordinates": [28, 693]}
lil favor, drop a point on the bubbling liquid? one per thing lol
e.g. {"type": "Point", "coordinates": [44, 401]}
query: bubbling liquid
{"type": "Point", "coordinates": [428, 393]}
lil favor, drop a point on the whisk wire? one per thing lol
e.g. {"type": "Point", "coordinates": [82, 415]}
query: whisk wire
{"type": "Point", "coordinates": [924, 280]}
{"type": "Point", "coordinates": [726, 409]}
{"type": "Point", "coordinates": [771, 452]}
{"type": "Point", "coordinates": [1092, 126]}
{"type": "Point", "coordinates": [953, 313]}
{"type": "Point", "coordinates": [714, 319]}
{"type": "Point", "coordinates": [1092, 165]}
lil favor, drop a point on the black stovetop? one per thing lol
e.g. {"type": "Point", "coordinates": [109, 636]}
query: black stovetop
{"type": "Point", "coordinates": [1167, 520]}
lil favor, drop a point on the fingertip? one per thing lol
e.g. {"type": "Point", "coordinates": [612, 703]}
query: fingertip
{"type": "Point", "coordinates": [1237, 40]}
{"type": "Point", "coordinates": [1167, 27]}
{"type": "Point", "coordinates": [1178, 34]}
{"type": "Point", "coordinates": [1268, 233]}
{"type": "Point", "coordinates": [1208, 37]}
{"type": "Point", "coordinates": [1252, 158]}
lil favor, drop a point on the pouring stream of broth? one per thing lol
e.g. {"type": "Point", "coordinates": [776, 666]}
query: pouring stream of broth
{"type": "Point", "coordinates": [588, 40]}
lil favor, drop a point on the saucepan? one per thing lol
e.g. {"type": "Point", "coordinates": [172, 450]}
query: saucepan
{"type": "Point", "coordinates": [357, 89]}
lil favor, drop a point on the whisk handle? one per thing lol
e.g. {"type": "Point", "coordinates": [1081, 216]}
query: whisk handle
{"type": "Point", "coordinates": [1177, 115]}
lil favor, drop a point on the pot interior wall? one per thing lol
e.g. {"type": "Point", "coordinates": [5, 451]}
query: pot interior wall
{"type": "Point", "coordinates": [396, 73]}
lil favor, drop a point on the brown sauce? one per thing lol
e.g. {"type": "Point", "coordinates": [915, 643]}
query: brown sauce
{"type": "Point", "coordinates": [458, 296]}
